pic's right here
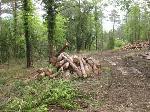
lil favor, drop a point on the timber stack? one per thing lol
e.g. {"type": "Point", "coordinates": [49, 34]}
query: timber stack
{"type": "Point", "coordinates": [136, 45]}
{"type": "Point", "coordinates": [68, 65]}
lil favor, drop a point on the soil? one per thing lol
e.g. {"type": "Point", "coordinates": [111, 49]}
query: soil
{"type": "Point", "coordinates": [123, 86]}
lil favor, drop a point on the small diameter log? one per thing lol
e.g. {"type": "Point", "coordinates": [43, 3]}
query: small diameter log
{"type": "Point", "coordinates": [90, 62]}
{"type": "Point", "coordinates": [62, 62]}
{"type": "Point", "coordinates": [75, 68]}
{"type": "Point", "coordinates": [66, 65]}
{"type": "Point", "coordinates": [76, 60]}
{"type": "Point", "coordinates": [65, 54]}
{"type": "Point", "coordinates": [83, 69]}
{"type": "Point", "coordinates": [86, 66]}
{"type": "Point", "coordinates": [59, 58]}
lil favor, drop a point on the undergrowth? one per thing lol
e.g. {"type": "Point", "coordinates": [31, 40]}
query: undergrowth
{"type": "Point", "coordinates": [38, 95]}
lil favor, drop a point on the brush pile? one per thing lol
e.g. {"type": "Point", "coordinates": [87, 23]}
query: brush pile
{"type": "Point", "coordinates": [136, 45]}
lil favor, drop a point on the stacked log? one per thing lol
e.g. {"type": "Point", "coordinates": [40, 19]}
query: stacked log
{"type": "Point", "coordinates": [136, 45]}
{"type": "Point", "coordinates": [82, 66]}
{"type": "Point", "coordinates": [70, 65]}
{"type": "Point", "coordinates": [67, 65]}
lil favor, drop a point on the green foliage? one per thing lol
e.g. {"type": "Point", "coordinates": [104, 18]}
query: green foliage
{"type": "Point", "coordinates": [37, 96]}
{"type": "Point", "coordinates": [119, 43]}
{"type": "Point", "coordinates": [5, 40]}
{"type": "Point", "coordinates": [60, 31]}
{"type": "Point", "coordinates": [111, 43]}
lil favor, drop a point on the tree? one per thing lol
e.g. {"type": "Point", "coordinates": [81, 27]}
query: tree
{"type": "Point", "coordinates": [98, 22]}
{"type": "Point", "coordinates": [15, 27]}
{"type": "Point", "coordinates": [78, 32]}
{"type": "Point", "coordinates": [51, 16]}
{"type": "Point", "coordinates": [133, 24]}
{"type": "Point", "coordinates": [27, 11]}
{"type": "Point", "coordinates": [0, 14]}
{"type": "Point", "coordinates": [114, 18]}
{"type": "Point", "coordinates": [96, 28]}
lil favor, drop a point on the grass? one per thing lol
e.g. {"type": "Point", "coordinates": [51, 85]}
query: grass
{"type": "Point", "coordinates": [16, 94]}
{"type": "Point", "coordinates": [36, 95]}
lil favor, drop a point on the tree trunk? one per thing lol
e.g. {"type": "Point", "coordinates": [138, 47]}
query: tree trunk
{"type": "Point", "coordinates": [15, 27]}
{"type": "Point", "coordinates": [96, 28]}
{"type": "Point", "coordinates": [113, 35]}
{"type": "Point", "coordinates": [27, 34]}
{"type": "Point", "coordinates": [78, 33]}
{"type": "Point", "coordinates": [51, 26]}
{"type": "Point", "coordinates": [149, 39]}
{"type": "Point", "coordinates": [102, 39]}
{"type": "Point", "coordinates": [0, 15]}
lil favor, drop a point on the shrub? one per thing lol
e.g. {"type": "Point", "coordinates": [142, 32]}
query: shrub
{"type": "Point", "coordinates": [38, 95]}
{"type": "Point", "coordinates": [119, 43]}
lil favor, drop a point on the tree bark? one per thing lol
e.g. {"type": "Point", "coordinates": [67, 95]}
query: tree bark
{"type": "Point", "coordinates": [78, 33]}
{"type": "Point", "coordinates": [27, 34]}
{"type": "Point", "coordinates": [96, 28]}
{"type": "Point", "coordinates": [51, 26]}
{"type": "Point", "coordinates": [15, 27]}
{"type": "Point", "coordinates": [0, 15]}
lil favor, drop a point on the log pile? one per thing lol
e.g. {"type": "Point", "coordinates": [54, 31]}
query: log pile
{"type": "Point", "coordinates": [136, 45]}
{"type": "Point", "coordinates": [67, 65]}
{"type": "Point", "coordinates": [82, 66]}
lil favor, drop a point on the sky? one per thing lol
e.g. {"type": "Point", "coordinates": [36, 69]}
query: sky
{"type": "Point", "coordinates": [107, 24]}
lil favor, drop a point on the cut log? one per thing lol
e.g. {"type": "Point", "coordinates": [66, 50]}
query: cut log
{"type": "Point", "coordinates": [76, 60]}
{"type": "Point", "coordinates": [75, 68]}
{"type": "Point", "coordinates": [59, 58]}
{"type": "Point", "coordinates": [66, 65]}
{"type": "Point", "coordinates": [69, 57]}
{"type": "Point", "coordinates": [86, 67]}
{"type": "Point", "coordinates": [83, 69]}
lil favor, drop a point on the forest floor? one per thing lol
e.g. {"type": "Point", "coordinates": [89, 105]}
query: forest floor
{"type": "Point", "coordinates": [123, 86]}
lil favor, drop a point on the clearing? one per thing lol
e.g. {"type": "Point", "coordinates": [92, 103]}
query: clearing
{"type": "Point", "coordinates": [123, 86]}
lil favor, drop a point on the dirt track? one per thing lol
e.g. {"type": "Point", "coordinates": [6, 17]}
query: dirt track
{"type": "Point", "coordinates": [124, 85]}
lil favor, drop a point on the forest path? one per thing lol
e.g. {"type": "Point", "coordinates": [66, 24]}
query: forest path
{"type": "Point", "coordinates": [124, 85]}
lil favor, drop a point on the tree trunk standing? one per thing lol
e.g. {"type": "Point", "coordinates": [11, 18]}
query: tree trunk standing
{"type": "Point", "coordinates": [149, 39]}
{"type": "Point", "coordinates": [139, 27]}
{"type": "Point", "coordinates": [113, 34]}
{"type": "Point", "coordinates": [96, 28]}
{"type": "Point", "coordinates": [0, 15]}
{"type": "Point", "coordinates": [102, 44]}
{"type": "Point", "coordinates": [90, 35]}
{"type": "Point", "coordinates": [27, 34]}
{"type": "Point", "coordinates": [51, 16]}
{"type": "Point", "coordinates": [0, 30]}
{"type": "Point", "coordinates": [78, 34]}
{"type": "Point", "coordinates": [15, 27]}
